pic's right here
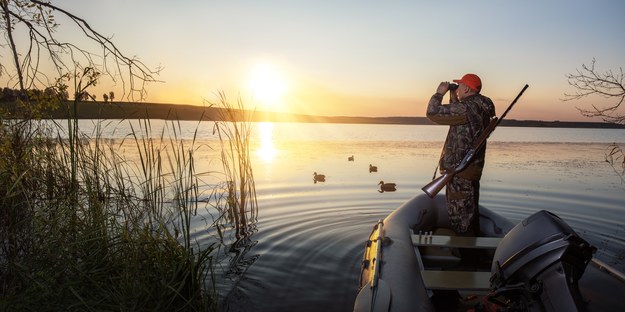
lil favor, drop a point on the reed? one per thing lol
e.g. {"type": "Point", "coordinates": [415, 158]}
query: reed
{"type": "Point", "coordinates": [82, 228]}
{"type": "Point", "coordinates": [236, 202]}
{"type": "Point", "coordinates": [234, 131]}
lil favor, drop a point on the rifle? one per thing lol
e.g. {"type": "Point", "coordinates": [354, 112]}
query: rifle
{"type": "Point", "coordinates": [436, 185]}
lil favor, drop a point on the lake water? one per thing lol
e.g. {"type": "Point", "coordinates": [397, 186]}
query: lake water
{"type": "Point", "coordinates": [305, 250]}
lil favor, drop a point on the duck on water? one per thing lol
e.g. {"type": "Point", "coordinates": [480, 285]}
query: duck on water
{"type": "Point", "coordinates": [319, 177]}
{"type": "Point", "coordinates": [412, 262]}
{"type": "Point", "coordinates": [387, 187]}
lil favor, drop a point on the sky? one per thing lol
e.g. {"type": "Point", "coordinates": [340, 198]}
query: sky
{"type": "Point", "coordinates": [363, 58]}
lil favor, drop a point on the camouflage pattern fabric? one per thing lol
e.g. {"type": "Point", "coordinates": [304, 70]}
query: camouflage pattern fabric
{"type": "Point", "coordinates": [462, 204]}
{"type": "Point", "coordinates": [467, 119]}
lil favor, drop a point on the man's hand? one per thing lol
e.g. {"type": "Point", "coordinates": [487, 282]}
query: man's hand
{"type": "Point", "coordinates": [443, 87]}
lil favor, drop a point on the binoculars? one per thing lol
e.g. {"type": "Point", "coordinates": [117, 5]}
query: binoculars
{"type": "Point", "coordinates": [453, 86]}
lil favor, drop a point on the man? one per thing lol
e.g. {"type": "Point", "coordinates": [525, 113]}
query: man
{"type": "Point", "coordinates": [467, 115]}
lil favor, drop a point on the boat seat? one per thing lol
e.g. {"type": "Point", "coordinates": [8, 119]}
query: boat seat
{"type": "Point", "coordinates": [455, 241]}
{"type": "Point", "coordinates": [456, 280]}
{"type": "Point", "coordinates": [439, 258]}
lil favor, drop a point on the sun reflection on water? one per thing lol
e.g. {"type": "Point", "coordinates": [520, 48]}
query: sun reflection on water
{"type": "Point", "coordinates": [266, 150]}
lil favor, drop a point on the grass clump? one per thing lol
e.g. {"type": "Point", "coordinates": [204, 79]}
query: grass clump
{"type": "Point", "coordinates": [82, 228]}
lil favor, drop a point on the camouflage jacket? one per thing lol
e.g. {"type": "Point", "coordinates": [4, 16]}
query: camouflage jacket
{"type": "Point", "coordinates": [467, 119]}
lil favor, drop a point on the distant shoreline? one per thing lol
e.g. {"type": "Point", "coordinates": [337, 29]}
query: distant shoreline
{"type": "Point", "coordinates": [127, 110]}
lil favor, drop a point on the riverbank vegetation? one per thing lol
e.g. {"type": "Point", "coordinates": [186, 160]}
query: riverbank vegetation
{"type": "Point", "coordinates": [82, 227]}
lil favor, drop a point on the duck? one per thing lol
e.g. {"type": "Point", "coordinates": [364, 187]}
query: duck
{"type": "Point", "coordinates": [350, 158]}
{"type": "Point", "coordinates": [373, 168]}
{"type": "Point", "coordinates": [319, 177]}
{"type": "Point", "coordinates": [387, 187]}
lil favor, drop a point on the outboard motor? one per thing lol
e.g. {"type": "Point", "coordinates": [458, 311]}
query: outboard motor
{"type": "Point", "coordinates": [537, 265]}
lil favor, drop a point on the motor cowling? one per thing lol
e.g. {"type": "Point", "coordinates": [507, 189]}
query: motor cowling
{"type": "Point", "coordinates": [537, 265]}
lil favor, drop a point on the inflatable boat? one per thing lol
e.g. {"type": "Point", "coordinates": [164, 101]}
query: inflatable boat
{"type": "Point", "coordinates": [413, 262]}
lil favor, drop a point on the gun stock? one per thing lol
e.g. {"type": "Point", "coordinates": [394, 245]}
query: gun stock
{"type": "Point", "coordinates": [436, 185]}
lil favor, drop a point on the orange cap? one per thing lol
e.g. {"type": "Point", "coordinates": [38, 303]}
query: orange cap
{"type": "Point", "coordinates": [472, 81]}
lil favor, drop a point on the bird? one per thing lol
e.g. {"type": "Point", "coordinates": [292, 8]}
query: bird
{"type": "Point", "coordinates": [387, 187]}
{"type": "Point", "coordinates": [350, 158]}
{"type": "Point", "coordinates": [373, 168]}
{"type": "Point", "coordinates": [319, 177]}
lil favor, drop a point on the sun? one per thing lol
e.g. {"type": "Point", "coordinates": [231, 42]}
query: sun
{"type": "Point", "coordinates": [267, 86]}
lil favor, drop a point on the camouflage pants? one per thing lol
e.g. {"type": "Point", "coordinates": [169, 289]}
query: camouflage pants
{"type": "Point", "coordinates": [462, 205]}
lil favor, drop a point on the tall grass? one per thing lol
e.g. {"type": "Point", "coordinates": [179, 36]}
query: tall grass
{"type": "Point", "coordinates": [238, 208]}
{"type": "Point", "coordinates": [83, 228]}
{"type": "Point", "coordinates": [234, 132]}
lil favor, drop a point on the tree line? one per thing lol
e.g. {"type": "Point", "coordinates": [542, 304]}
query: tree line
{"type": "Point", "coordinates": [11, 95]}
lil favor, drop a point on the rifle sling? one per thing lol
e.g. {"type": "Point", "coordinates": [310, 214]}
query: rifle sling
{"type": "Point", "coordinates": [473, 173]}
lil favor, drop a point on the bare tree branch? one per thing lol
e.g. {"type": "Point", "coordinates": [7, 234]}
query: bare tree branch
{"type": "Point", "coordinates": [588, 81]}
{"type": "Point", "coordinates": [37, 19]}
{"type": "Point", "coordinates": [9, 29]}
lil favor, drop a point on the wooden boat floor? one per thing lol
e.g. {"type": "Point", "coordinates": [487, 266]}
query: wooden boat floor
{"type": "Point", "coordinates": [440, 263]}
{"type": "Point", "coordinates": [456, 280]}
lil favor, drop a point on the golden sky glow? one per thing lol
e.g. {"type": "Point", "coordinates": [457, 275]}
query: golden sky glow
{"type": "Point", "coordinates": [362, 58]}
{"type": "Point", "coordinates": [267, 86]}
